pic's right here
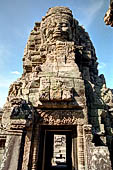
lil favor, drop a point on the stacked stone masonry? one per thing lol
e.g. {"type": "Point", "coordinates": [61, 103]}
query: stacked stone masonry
{"type": "Point", "coordinates": [108, 18]}
{"type": "Point", "coordinates": [59, 90]}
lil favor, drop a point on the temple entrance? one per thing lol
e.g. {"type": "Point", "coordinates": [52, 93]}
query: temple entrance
{"type": "Point", "coordinates": [58, 152]}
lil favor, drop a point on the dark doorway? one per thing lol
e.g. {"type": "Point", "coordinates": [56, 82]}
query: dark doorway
{"type": "Point", "coordinates": [58, 148]}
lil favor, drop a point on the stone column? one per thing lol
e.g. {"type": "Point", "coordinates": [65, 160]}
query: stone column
{"type": "Point", "coordinates": [80, 147]}
{"type": "Point", "coordinates": [12, 151]}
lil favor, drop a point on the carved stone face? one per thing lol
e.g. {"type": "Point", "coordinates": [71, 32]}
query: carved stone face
{"type": "Point", "coordinates": [58, 28]}
{"type": "Point", "coordinates": [62, 29]}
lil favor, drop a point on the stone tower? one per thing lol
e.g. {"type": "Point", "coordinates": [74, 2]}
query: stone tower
{"type": "Point", "coordinates": [58, 115]}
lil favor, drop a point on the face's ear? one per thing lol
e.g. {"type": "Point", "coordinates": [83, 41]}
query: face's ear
{"type": "Point", "coordinates": [70, 36]}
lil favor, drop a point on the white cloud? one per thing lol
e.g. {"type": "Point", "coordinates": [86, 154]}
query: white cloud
{"type": "Point", "coordinates": [15, 72]}
{"type": "Point", "coordinates": [90, 12]}
{"type": "Point", "coordinates": [101, 65]}
{"type": "Point", "coordinates": [4, 87]}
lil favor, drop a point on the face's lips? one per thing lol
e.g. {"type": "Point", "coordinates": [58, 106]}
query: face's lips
{"type": "Point", "coordinates": [57, 33]}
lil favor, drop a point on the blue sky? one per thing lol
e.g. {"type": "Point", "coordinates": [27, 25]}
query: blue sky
{"type": "Point", "coordinates": [17, 18]}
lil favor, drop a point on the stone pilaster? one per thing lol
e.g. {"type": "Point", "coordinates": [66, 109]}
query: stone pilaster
{"type": "Point", "coordinates": [80, 147]}
{"type": "Point", "coordinates": [27, 150]}
{"type": "Point", "coordinates": [35, 151]}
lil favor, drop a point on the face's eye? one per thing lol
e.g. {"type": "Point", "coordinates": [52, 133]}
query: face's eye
{"type": "Point", "coordinates": [53, 24]}
{"type": "Point", "coordinates": [64, 25]}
